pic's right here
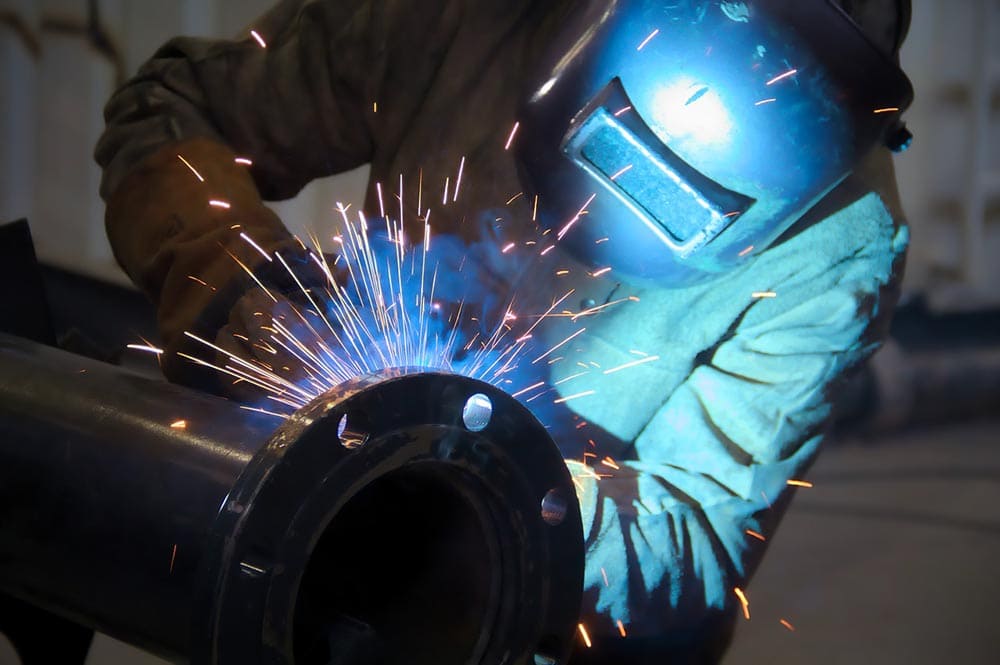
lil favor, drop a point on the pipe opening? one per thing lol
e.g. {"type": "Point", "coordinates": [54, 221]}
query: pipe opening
{"type": "Point", "coordinates": [407, 573]}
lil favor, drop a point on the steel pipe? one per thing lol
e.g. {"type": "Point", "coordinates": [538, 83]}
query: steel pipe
{"type": "Point", "coordinates": [407, 517]}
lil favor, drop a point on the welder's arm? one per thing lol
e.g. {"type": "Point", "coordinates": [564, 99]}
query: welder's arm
{"type": "Point", "coordinates": [173, 135]}
{"type": "Point", "coordinates": [297, 107]}
{"type": "Point", "coordinates": [671, 530]}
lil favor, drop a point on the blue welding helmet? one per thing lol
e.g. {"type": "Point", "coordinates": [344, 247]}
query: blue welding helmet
{"type": "Point", "coordinates": [674, 139]}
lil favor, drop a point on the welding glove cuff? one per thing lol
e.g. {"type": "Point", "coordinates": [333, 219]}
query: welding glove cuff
{"type": "Point", "coordinates": [181, 225]}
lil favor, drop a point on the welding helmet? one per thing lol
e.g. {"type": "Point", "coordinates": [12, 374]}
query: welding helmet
{"type": "Point", "coordinates": [674, 139]}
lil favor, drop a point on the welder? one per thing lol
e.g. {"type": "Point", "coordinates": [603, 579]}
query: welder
{"type": "Point", "coordinates": [729, 161]}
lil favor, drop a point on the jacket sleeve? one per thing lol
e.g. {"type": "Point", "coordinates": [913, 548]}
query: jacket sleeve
{"type": "Point", "coordinates": [670, 531]}
{"type": "Point", "coordinates": [295, 96]}
{"type": "Point", "coordinates": [298, 107]}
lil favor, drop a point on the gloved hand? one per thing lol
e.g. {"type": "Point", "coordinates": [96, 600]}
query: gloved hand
{"type": "Point", "coordinates": [179, 225]}
{"type": "Point", "coordinates": [260, 330]}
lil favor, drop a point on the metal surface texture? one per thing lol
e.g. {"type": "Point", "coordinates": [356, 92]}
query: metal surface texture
{"type": "Point", "coordinates": [406, 517]}
{"type": "Point", "coordinates": [674, 141]}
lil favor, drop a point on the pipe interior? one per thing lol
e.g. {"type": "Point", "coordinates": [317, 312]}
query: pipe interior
{"type": "Point", "coordinates": [407, 573]}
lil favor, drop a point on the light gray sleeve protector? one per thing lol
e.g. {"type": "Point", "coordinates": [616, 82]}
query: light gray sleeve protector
{"type": "Point", "coordinates": [668, 538]}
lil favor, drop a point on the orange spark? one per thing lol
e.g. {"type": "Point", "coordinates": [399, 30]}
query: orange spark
{"type": "Point", "coordinates": [179, 424]}
{"type": "Point", "coordinates": [145, 347]}
{"type": "Point", "coordinates": [201, 281]}
{"type": "Point", "coordinates": [799, 483]}
{"type": "Point", "coordinates": [253, 244]}
{"type": "Point", "coordinates": [560, 344]}
{"type": "Point", "coordinates": [607, 461]}
{"type": "Point", "coordinates": [757, 295]}
{"type": "Point", "coordinates": [583, 210]}
{"type": "Point", "coordinates": [781, 77]}
{"type": "Point", "coordinates": [513, 133]}
{"type": "Point", "coordinates": [602, 271]}
{"type": "Point", "coordinates": [258, 38]}
{"type": "Point", "coordinates": [216, 203]}
{"type": "Point", "coordinates": [420, 191]}
{"type": "Point", "coordinates": [787, 624]}
{"type": "Point", "coordinates": [622, 171]}
{"type": "Point", "coordinates": [648, 39]}
{"type": "Point", "coordinates": [888, 109]}
{"type": "Point", "coordinates": [756, 535]}
{"type": "Point", "coordinates": [743, 601]}
{"type": "Point", "coordinates": [193, 169]}
{"type": "Point", "coordinates": [746, 251]}
{"type": "Point", "coordinates": [528, 389]}
{"type": "Point", "coordinates": [634, 363]}
{"type": "Point", "coordinates": [458, 180]}
{"type": "Point", "coordinates": [621, 628]}
{"type": "Point", "coordinates": [585, 635]}
{"type": "Point", "coordinates": [570, 378]}
{"type": "Point", "coordinates": [381, 201]}
{"type": "Point", "coordinates": [244, 161]}
{"type": "Point", "coordinates": [283, 416]}
{"type": "Point", "coordinates": [586, 393]}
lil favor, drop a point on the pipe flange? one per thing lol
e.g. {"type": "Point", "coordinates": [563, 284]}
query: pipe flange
{"type": "Point", "coordinates": [406, 517]}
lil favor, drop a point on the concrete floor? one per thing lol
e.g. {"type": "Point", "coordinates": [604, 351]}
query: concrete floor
{"type": "Point", "coordinates": [891, 558]}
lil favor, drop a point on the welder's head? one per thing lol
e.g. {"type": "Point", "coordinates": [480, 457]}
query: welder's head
{"type": "Point", "coordinates": [692, 133]}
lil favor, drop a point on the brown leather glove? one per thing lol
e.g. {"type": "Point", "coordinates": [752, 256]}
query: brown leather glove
{"type": "Point", "coordinates": [177, 246]}
{"type": "Point", "coordinates": [257, 331]}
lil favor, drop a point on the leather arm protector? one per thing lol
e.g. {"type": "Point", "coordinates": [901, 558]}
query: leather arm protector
{"type": "Point", "coordinates": [177, 225]}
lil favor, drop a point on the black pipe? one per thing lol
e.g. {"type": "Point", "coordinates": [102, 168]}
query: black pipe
{"type": "Point", "coordinates": [97, 489]}
{"type": "Point", "coordinates": [380, 524]}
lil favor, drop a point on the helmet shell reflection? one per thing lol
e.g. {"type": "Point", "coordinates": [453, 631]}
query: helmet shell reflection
{"type": "Point", "coordinates": [672, 140]}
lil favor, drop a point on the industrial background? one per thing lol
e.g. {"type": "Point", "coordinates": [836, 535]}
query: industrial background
{"type": "Point", "coordinates": [890, 558]}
